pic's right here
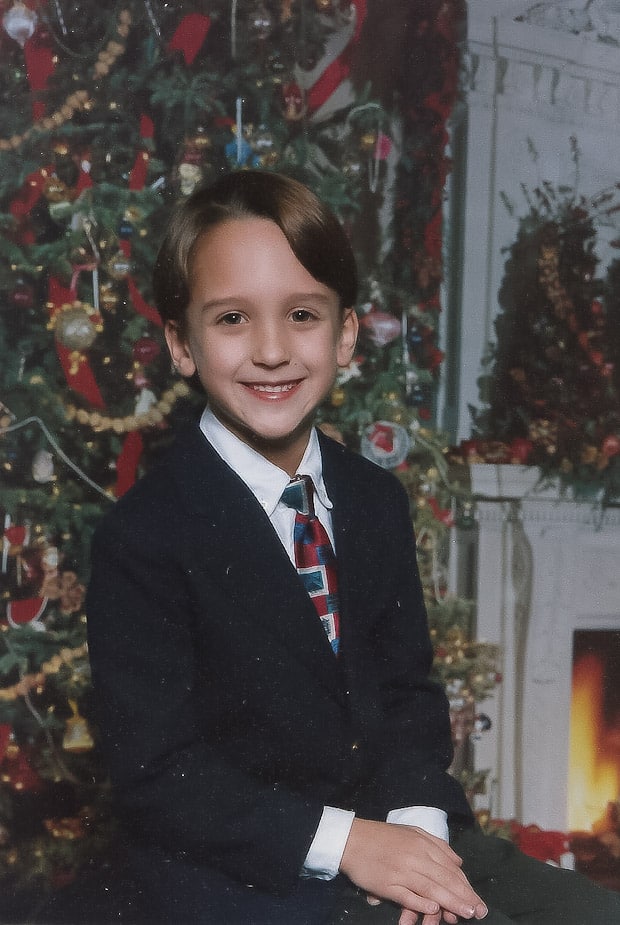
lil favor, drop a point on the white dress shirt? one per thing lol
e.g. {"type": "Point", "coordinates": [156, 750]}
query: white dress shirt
{"type": "Point", "coordinates": [267, 482]}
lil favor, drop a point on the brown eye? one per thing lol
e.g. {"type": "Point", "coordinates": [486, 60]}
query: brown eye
{"type": "Point", "coordinates": [231, 318]}
{"type": "Point", "coordinates": [302, 314]}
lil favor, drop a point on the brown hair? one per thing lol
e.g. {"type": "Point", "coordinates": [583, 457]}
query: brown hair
{"type": "Point", "coordinates": [313, 232]}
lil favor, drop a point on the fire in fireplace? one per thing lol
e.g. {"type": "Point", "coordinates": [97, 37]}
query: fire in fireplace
{"type": "Point", "coordinates": [594, 758]}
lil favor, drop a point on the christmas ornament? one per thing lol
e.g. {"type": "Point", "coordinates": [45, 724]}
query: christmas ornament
{"type": "Point", "coordinates": [337, 397]}
{"type": "Point", "coordinates": [55, 191]}
{"type": "Point", "coordinates": [263, 144]}
{"type": "Point", "coordinates": [43, 467]}
{"type": "Point", "coordinates": [260, 22]}
{"type": "Point", "coordinates": [125, 230]}
{"type": "Point", "coordinates": [294, 107]}
{"type": "Point", "coordinates": [145, 401]}
{"type": "Point", "coordinates": [27, 610]}
{"type": "Point", "coordinates": [17, 771]}
{"type": "Point", "coordinates": [75, 328]}
{"type": "Point", "coordinates": [145, 350]}
{"type": "Point", "coordinates": [520, 450]}
{"type": "Point", "coordinates": [380, 327]}
{"type": "Point", "coordinates": [119, 265]}
{"type": "Point", "coordinates": [189, 176]}
{"type": "Point", "coordinates": [108, 297]}
{"type": "Point", "coordinates": [193, 168]}
{"type": "Point", "coordinates": [77, 737]}
{"type": "Point", "coordinates": [386, 444]}
{"type": "Point", "coordinates": [19, 23]}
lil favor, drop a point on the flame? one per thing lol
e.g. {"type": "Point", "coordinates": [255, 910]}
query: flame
{"type": "Point", "coordinates": [594, 762]}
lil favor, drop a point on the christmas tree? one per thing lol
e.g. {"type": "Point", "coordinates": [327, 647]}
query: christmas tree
{"type": "Point", "coordinates": [551, 390]}
{"type": "Point", "coordinates": [110, 115]}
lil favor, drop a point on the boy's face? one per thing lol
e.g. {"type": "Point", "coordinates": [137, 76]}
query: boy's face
{"type": "Point", "coordinates": [265, 338]}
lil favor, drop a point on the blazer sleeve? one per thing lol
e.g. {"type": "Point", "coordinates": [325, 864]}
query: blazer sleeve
{"type": "Point", "coordinates": [411, 736]}
{"type": "Point", "coordinates": [176, 790]}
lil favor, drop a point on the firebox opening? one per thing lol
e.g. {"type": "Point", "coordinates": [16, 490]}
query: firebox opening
{"type": "Point", "coordinates": [594, 758]}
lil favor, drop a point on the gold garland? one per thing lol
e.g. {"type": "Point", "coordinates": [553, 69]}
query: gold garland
{"type": "Point", "coordinates": [79, 99]}
{"type": "Point", "coordinates": [123, 425]}
{"type": "Point", "coordinates": [33, 680]}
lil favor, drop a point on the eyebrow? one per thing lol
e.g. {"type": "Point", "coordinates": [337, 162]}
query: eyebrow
{"type": "Point", "coordinates": [228, 301]}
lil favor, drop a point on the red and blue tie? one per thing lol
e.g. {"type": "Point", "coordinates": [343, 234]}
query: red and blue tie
{"type": "Point", "coordinates": [314, 556]}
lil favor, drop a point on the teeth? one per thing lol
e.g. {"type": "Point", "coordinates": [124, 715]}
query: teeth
{"type": "Point", "coordinates": [273, 388]}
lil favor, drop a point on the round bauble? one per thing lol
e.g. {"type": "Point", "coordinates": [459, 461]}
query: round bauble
{"type": "Point", "coordinates": [145, 350]}
{"type": "Point", "coordinates": [75, 328]}
{"type": "Point", "coordinates": [386, 444]}
{"type": "Point", "coordinates": [20, 22]}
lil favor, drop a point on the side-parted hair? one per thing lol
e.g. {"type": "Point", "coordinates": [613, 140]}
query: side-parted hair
{"type": "Point", "coordinates": [313, 232]}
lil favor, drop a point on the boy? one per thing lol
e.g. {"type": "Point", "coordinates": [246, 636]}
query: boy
{"type": "Point", "coordinates": [275, 764]}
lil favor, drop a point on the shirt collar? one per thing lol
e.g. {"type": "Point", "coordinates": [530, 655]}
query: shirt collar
{"type": "Point", "coordinates": [263, 478]}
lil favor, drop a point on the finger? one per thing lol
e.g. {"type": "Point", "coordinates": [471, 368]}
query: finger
{"type": "Point", "coordinates": [432, 919]}
{"type": "Point", "coordinates": [450, 918]}
{"type": "Point", "coordinates": [407, 917]}
{"type": "Point", "coordinates": [430, 897]}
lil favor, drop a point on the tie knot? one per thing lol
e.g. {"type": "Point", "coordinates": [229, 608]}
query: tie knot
{"type": "Point", "coordinates": [299, 494]}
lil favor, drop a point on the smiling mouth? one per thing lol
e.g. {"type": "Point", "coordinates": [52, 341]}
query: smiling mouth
{"type": "Point", "coordinates": [279, 389]}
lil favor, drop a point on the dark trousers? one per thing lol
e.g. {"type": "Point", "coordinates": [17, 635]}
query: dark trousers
{"type": "Point", "coordinates": [516, 889]}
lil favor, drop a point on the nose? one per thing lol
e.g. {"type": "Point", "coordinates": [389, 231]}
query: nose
{"type": "Point", "coordinates": [270, 347]}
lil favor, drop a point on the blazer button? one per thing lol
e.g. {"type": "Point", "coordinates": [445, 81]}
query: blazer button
{"type": "Point", "coordinates": [355, 746]}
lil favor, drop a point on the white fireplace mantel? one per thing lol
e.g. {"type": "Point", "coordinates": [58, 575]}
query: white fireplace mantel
{"type": "Point", "coordinates": [547, 566]}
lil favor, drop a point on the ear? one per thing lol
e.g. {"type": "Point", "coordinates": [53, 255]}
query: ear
{"type": "Point", "coordinates": [179, 350]}
{"type": "Point", "coordinates": [348, 337]}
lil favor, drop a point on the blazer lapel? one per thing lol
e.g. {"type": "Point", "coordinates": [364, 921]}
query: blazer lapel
{"type": "Point", "coordinates": [249, 559]}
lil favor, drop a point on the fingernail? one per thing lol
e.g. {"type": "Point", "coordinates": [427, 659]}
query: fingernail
{"type": "Point", "coordinates": [372, 901]}
{"type": "Point", "coordinates": [481, 911]}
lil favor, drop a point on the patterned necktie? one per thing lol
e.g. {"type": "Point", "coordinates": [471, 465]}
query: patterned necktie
{"type": "Point", "coordinates": [314, 556]}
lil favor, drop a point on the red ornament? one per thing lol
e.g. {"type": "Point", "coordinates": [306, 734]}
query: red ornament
{"type": "Point", "coordinates": [469, 449]}
{"type": "Point", "coordinates": [145, 350]}
{"type": "Point", "coordinates": [611, 445]}
{"type": "Point", "coordinates": [17, 772]}
{"type": "Point", "coordinates": [520, 449]}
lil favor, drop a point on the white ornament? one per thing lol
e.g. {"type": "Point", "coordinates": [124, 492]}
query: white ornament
{"type": "Point", "coordinates": [43, 467]}
{"type": "Point", "coordinates": [145, 401]}
{"type": "Point", "coordinates": [19, 23]}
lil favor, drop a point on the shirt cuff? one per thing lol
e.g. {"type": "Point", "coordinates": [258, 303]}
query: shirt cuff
{"type": "Point", "coordinates": [432, 820]}
{"type": "Point", "coordinates": [325, 854]}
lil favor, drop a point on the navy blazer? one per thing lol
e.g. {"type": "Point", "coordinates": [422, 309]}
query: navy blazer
{"type": "Point", "coordinates": [227, 721]}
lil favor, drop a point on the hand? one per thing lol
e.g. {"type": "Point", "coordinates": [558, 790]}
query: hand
{"type": "Point", "coordinates": [417, 871]}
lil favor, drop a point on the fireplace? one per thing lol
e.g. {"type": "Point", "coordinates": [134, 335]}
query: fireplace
{"type": "Point", "coordinates": [547, 582]}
